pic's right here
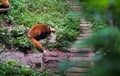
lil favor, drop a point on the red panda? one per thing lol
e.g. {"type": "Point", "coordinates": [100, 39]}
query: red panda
{"type": "Point", "coordinates": [4, 3]}
{"type": "Point", "coordinates": [38, 32]}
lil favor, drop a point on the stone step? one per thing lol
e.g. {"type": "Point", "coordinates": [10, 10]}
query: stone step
{"type": "Point", "coordinates": [85, 31]}
{"type": "Point", "coordinates": [81, 38]}
{"type": "Point", "coordinates": [85, 35]}
{"type": "Point", "coordinates": [73, 49]}
{"type": "Point", "coordinates": [73, 2]}
{"type": "Point", "coordinates": [77, 49]}
{"type": "Point", "coordinates": [75, 14]}
{"type": "Point", "coordinates": [77, 70]}
{"type": "Point", "coordinates": [84, 28]}
{"type": "Point", "coordinates": [79, 42]}
{"type": "Point", "coordinates": [85, 22]}
{"type": "Point", "coordinates": [77, 52]}
{"type": "Point", "coordinates": [78, 59]}
{"type": "Point", "coordinates": [85, 64]}
{"type": "Point", "coordinates": [83, 54]}
{"type": "Point", "coordinates": [75, 8]}
{"type": "Point", "coordinates": [85, 49]}
{"type": "Point", "coordinates": [75, 74]}
{"type": "Point", "coordinates": [86, 25]}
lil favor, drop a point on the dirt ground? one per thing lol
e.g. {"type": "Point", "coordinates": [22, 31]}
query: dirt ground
{"type": "Point", "coordinates": [37, 61]}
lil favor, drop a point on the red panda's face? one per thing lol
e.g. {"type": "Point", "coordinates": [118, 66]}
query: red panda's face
{"type": "Point", "coordinates": [48, 30]}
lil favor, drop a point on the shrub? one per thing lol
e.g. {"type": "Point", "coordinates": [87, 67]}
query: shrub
{"type": "Point", "coordinates": [12, 68]}
{"type": "Point", "coordinates": [65, 37]}
{"type": "Point", "coordinates": [4, 36]}
{"type": "Point", "coordinates": [15, 38]}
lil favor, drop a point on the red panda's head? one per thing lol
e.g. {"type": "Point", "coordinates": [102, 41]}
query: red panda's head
{"type": "Point", "coordinates": [51, 30]}
{"type": "Point", "coordinates": [5, 3]}
{"type": "Point", "coordinates": [47, 29]}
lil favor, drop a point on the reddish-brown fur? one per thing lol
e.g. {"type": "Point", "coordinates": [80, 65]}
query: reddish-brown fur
{"type": "Point", "coordinates": [38, 32]}
{"type": "Point", "coordinates": [5, 3]}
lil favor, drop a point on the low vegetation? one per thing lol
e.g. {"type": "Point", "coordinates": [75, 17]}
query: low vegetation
{"type": "Point", "coordinates": [11, 68]}
{"type": "Point", "coordinates": [27, 13]}
{"type": "Point", "coordinates": [23, 15]}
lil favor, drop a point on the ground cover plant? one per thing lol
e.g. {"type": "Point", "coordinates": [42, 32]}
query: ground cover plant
{"type": "Point", "coordinates": [27, 13]}
{"type": "Point", "coordinates": [11, 68]}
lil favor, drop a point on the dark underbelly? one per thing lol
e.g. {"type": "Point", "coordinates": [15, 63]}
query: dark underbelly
{"type": "Point", "coordinates": [43, 35]}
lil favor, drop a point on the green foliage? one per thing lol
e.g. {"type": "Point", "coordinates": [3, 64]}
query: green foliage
{"type": "Point", "coordinates": [105, 10]}
{"type": "Point", "coordinates": [72, 19]}
{"type": "Point", "coordinates": [98, 25]}
{"type": "Point", "coordinates": [18, 31]}
{"type": "Point", "coordinates": [12, 68]}
{"type": "Point", "coordinates": [104, 38]}
{"type": "Point", "coordinates": [15, 38]}
{"type": "Point", "coordinates": [107, 47]}
{"type": "Point", "coordinates": [65, 36]}
{"type": "Point", "coordinates": [68, 31]}
{"type": "Point", "coordinates": [19, 40]}
{"type": "Point", "coordinates": [94, 15]}
{"type": "Point", "coordinates": [30, 12]}
{"type": "Point", "coordinates": [63, 66]}
{"type": "Point", "coordinates": [4, 36]}
{"type": "Point", "coordinates": [53, 13]}
{"type": "Point", "coordinates": [21, 43]}
{"type": "Point", "coordinates": [51, 46]}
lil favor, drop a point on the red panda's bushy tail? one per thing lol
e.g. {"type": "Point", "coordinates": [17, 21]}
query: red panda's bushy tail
{"type": "Point", "coordinates": [37, 44]}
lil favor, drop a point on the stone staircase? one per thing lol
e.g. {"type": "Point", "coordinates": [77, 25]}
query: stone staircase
{"type": "Point", "coordinates": [82, 56]}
